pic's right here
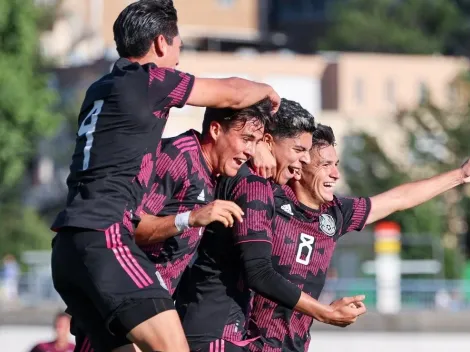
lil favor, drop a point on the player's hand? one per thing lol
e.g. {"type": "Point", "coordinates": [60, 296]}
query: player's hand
{"type": "Point", "coordinates": [345, 311]}
{"type": "Point", "coordinates": [263, 161]}
{"type": "Point", "coordinates": [466, 171]}
{"type": "Point", "coordinates": [219, 210]}
{"type": "Point", "coordinates": [275, 100]}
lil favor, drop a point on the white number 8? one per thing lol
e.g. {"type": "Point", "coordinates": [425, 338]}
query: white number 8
{"type": "Point", "coordinates": [87, 128]}
{"type": "Point", "coordinates": [306, 241]}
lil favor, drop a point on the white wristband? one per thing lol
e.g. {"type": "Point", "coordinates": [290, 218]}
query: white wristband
{"type": "Point", "coordinates": [182, 221]}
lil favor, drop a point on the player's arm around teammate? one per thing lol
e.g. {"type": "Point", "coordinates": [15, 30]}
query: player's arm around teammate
{"type": "Point", "coordinates": [154, 229]}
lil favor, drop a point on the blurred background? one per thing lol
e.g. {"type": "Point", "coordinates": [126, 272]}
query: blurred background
{"type": "Point", "coordinates": [391, 77]}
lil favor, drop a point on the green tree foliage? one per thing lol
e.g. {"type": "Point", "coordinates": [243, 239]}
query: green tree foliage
{"type": "Point", "coordinates": [437, 142]}
{"type": "Point", "coordinates": [391, 26]}
{"type": "Point", "coordinates": [26, 116]}
{"type": "Point", "coordinates": [25, 100]}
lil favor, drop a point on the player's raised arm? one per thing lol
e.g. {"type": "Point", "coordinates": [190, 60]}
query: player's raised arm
{"type": "Point", "coordinates": [235, 93]}
{"type": "Point", "coordinates": [412, 194]}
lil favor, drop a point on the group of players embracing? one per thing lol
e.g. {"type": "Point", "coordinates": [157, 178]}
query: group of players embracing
{"type": "Point", "coordinates": [211, 241]}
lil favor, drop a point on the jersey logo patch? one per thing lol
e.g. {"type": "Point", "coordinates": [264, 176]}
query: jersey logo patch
{"type": "Point", "coordinates": [201, 196]}
{"type": "Point", "coordinates": [327, 224]}
{"type": "Point", "coordinates": [287, 208]}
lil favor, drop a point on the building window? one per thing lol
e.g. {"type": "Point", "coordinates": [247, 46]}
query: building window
{"type": "Point", "coordinates": [359, 91]}
{"type": "Point", "coordinates": [226, 3]}
{"type": "Point", "coordinates": [390, 91]}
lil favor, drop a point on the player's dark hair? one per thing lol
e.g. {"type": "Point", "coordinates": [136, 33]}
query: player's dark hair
{"type": "Point", "coordinates": [140, 23]}
{"type": "Point", "coordinates": [228, 118]}
{"type": "Point", "coordinates": [290, 120]}
{"type": "Point", "coordinates": [323, 136]}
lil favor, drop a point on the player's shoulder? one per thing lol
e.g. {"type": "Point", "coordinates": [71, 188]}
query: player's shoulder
{"type": "Point", "coordinates": [245, 178]}
{"type": "Point", "coordinates": [182, 144]}
{"type": "Point", "coordinates": [346, 203]}
{"type": "Point", "coordinates": [125, 77]}
{"type": "Point", "coordinates": [246, 175]}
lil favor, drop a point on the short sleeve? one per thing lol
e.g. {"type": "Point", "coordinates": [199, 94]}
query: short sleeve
{"type": "Point", "coordinates": [355, 212]}
{"type": "Point", "coordinates": [168, 88]}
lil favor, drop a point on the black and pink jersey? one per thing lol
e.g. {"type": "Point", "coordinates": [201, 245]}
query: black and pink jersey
{"type": "Point", "coordinates": [213, 299]}
{"type": "Point", "coordinates": [51, 347]}
{"type": "Point", "coordinates": [303, 243]}
{"type": "Point", "coordinates": [120, 125]}
{"type": "Point", "coordinates": [183, 183]}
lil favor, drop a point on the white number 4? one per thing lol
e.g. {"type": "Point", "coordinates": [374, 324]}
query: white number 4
{"type": "Point", "coordinates": [87, 128]}
{"type": "Point", "coordinates": [306, 242]}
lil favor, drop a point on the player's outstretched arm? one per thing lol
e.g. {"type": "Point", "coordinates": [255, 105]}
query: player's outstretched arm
{"type": "Point", "coordinates": [263, 279]}
{"type": "Point", "coordinates": [152, 229]}
{"type": "Point", "coordinates": [235, 93]}
{"type": "Point", "coordinates": [412, 194]}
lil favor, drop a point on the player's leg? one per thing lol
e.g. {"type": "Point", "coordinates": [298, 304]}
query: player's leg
{"type": "Point", "coordinates": [122, 285]}
{"type": "Point", "coordinates": [162, 332]}
{"type": "Point", "coordinates": [219, 346]}
{"type": "Point", "coordinates": [83, 342]}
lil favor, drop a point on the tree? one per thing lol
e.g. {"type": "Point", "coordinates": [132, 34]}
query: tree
{"type": "Point", "coordinates": [391, 26]}
{"type": "Point", "coordinates": [26, 103]}
{"type": "Point", "coordinates": [437, 142]}
{"type": "Point", "coordinates": [26, 116]}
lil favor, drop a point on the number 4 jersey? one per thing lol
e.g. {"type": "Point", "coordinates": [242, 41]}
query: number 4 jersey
{"type": "Point", "coordinates": [304, 240]}
{"type": "Point", "coordinates": [120, 126]}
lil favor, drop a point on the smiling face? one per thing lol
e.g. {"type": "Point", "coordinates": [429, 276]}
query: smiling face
{"type": "Point", "coordinates": [235, 145]}
{"type": "Point", "coordinates": [291, 153]}
{"type": "Point", "coordinates": [321, 176]}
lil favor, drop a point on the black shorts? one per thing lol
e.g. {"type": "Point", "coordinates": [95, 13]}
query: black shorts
{"type": "Point", "coordinates": [107, 283]}
{"type": "Point", "coordinates": [220, 346]}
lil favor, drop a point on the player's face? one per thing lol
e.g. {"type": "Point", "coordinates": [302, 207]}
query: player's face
{"type": "Point", "coordinates": [169, 54]}
{"type": "Point", "coordinates": [291, 154]}
{"type": "Point", "coordinates": [237, 145]}
{"type": "Point", "coordinates": [62, 326]}
{"type": "Point", "coordinates": [321, 175]}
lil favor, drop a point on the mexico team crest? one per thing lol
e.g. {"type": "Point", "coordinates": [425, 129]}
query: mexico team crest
{"type": "Point", "coordinates": [327, 224]}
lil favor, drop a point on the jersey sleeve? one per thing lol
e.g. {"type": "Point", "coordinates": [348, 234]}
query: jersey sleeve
{"type": "Point", "coordinates": [254, 196]}
{"type": "Point", "coordinates": [168, 88]}
{"type": "Point", "coordinates": [170, 176]}
{"type": "Point", "coordinates": [355, 212]}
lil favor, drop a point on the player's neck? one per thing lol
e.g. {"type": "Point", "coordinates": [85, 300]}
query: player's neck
{"type": "Point", "coordinates": [61, 343]}
{"type": "Point", "coordinates": [304, 196]}
{"type": "Point", "coordinates": [206, 149]}
{"type": "Point", "coordinates": [149, 58]}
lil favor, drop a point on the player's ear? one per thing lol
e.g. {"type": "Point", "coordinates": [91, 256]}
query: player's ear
{"type": "Point", "coordinates": [215, 129]}
{"type": "Point", "coordinates": [161, 46]}
{"type": "Point", "coordinates": [269, 140]}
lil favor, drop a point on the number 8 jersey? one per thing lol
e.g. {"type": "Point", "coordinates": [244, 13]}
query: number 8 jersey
{"type": "Point", "coordinates": [304, 240]}
{"type": "Point", "coordinates": [120, 125]}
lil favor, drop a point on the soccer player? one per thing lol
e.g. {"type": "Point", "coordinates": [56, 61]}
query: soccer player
{"type": "Point", "coordinates": [183, 193]}
{"type": "Point", "coordinates": [213, 299]}
{"type": "Point", "coordinates": [61, 342]}
{"type": "Point", "coordinates": [310, 219]}
{"type": "Point", "coordinates": [97, 268]}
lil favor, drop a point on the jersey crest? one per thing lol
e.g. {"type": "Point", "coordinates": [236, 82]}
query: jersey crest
{"type": "Point", "coordinates": [327, 224]}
